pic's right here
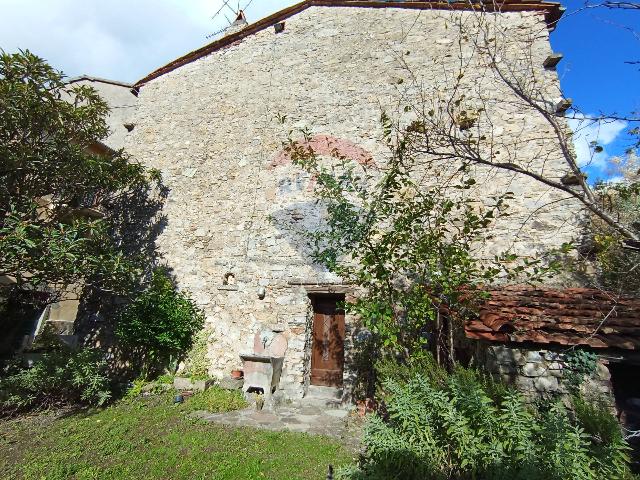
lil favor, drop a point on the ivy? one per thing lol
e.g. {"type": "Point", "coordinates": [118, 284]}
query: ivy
{"type": "Point", "coordinates": [578, 365]}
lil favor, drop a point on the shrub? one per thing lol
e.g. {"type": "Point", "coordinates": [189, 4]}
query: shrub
{"type": "Point", "coordinates": [456, 430]}
{"type": "Point", "coordinates": [402, 371]}
{"type": "Point", "coordinates": [63, 376]}
{"type": "Point", "coordinates": [197, 363]}
{"type": "Point", "coordinates": [159, 325]}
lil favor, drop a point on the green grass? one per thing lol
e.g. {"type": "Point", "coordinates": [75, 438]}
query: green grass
{"type": "Point", "coordinates": [215, 400]}
{"type": "Point", "coordinates": [154, 439]}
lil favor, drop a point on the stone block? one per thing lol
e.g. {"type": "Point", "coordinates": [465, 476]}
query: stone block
{"type": "Point", "coordinates": [507, 356]}
{"type": "Point", "coordinates": [185, 383]}
{"type": "Point", "coordinates": [524, 383]}
{"type": "Point", "coordinates": [546, 384]}
{"type": "Point", "coordinates": [556, 373]}
{"type": "Point", "coordinates": [555, 366]}
{"type": "Point", "coordinates": [534, 357]}
{"type": "Point", "coordinates": [201, 385]}
{"type": "Point", "coordinates": [602, 372]}
{"type": "Point", "coordinates": [534, 369]}
{"type": "Point", "coordinates": [231, 383]}
{"type": "Point", "coordinates": [492, 366]}
{"type": "Point", "coordinates": [507, 368]}
{"type": "Point", "coordinates": [552, 356]}
{"type": "Point", "coordinates": [508, 379]}
{"type": "Point", "coordinates": [182, 383]}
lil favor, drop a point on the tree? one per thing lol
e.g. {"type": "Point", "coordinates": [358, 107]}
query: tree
{"type": "Point", "coordinates": [458, 119]}
{"type": "Point", "coordinates": [616, 268]}
{"type": "Point", "coordinates": [52, 167]}
{"type": "Point", "coordinates": [413, 246]}
{"type": "Point", "coordinates": [412, 250]}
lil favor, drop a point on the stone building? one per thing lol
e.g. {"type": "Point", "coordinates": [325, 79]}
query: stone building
{"type": "Point", "coordinates": [214, 122]}
{"type": "Point", "coordinates": [122, 104]}
{"type": "Point", "coordinates": [527, 335]}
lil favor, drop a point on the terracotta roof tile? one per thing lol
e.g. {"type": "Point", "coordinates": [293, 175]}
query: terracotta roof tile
{"type": "Point", "coordinates": [573, 316]}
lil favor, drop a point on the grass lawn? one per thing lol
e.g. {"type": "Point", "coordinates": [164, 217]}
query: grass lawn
{"type": "Point", "coordinates": [154, 439]}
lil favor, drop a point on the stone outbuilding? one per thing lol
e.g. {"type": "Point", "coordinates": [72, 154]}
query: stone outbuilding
{"type": "Point", "coordinates": [529, 337]}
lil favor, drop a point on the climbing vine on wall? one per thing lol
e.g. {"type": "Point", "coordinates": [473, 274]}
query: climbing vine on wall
{"type": "Point", "coordinates": [579, 364]}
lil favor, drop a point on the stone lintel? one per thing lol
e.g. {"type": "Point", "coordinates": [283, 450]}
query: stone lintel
{"type": "Point", "coordinates": [228, 287]}
{"type": "Point", "coordinates": [319, 288]}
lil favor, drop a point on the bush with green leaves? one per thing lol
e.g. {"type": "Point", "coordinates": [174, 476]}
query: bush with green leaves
{"type": "Point", "coordinates": [461, 427]}
{"type": "Point", "coordinates": [158, 327]}
{"type": "Point", "coordinates": [50, 169]}
{"type": "Point", "coordinates": [615, 265]}
{"type": "Point", "coordinates": [61, 376]}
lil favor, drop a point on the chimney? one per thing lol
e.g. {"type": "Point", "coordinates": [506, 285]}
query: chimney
{"type": "Point", "coordinates": [239, 23]}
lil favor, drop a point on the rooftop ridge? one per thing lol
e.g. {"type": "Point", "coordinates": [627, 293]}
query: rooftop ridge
{"type": "Point", "coordinates": [552, 10]}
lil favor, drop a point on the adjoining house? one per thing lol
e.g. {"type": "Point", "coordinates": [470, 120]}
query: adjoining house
{"type": "Point", "coordinates": [121, 101]}
{"type": "Point", "coordinates": [27, 312]}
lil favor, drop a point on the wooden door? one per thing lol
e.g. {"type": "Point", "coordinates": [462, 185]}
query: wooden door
{"type": "Point", "coordinates": [327, 356]}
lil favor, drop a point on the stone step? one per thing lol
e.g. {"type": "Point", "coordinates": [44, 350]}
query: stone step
{"type": "Point", "coordinates": [323, 397]}
{"type": "Point", "coordinates": [322, 403]}
{"type": "Point", "coordinates": [323, 393]}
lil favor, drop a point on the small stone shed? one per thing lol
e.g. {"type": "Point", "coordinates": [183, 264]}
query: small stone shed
{"type": "Point", "coordinates": [526, 334]}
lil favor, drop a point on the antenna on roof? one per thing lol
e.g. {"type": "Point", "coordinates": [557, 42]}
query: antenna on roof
{"type": "Point", "coordinates": [238, 14]}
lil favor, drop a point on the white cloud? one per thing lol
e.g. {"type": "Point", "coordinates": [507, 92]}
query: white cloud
{"type": "Point", "coordinates": [118, 39]}
{"type": "Point", "coordinates": [616, 179]}
{"type": "Point", "coordinates": [587, 131]}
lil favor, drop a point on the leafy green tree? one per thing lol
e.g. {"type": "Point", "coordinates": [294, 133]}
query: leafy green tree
{"type": "Point", "coordinates": [616, 267]}
{"type": "Point", "coordinates": [159, 326]}
{"type": "Point", "coordinates": [52, 165]}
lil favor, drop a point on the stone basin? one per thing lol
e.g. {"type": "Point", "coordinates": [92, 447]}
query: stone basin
{"type": "Point", "coordinates": [255, 357]}
{"type": "Point", "coordinates": [261, 373]}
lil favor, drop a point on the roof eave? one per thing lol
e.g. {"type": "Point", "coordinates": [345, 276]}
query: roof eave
{"type": "Point", "coordinates": [552, 11]}
{"type": "Point", "coordinates": [98, 79]}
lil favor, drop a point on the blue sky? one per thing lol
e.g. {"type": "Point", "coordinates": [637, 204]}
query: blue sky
{"type": "Point", "coordinates": [125, 40]}
{"type": "Point", "coordinates": [596, 43]}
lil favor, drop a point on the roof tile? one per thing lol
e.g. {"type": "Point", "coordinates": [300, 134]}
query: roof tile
{"type": "Point", "coordinates": [573, 316]}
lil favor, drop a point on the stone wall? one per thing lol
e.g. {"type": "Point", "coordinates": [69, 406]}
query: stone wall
{"type": "Point", "coordinates": [122, 103]}
{"type": "Point", "coordinates": [539, 372]}
{"type": "Point", "coordinates": [214, 129]}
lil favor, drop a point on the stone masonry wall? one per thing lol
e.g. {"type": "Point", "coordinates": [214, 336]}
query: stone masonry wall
{"type": "Point", "coordinates": [539, 372]}
{"type": "Point", "coordinates": [213, 127]}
